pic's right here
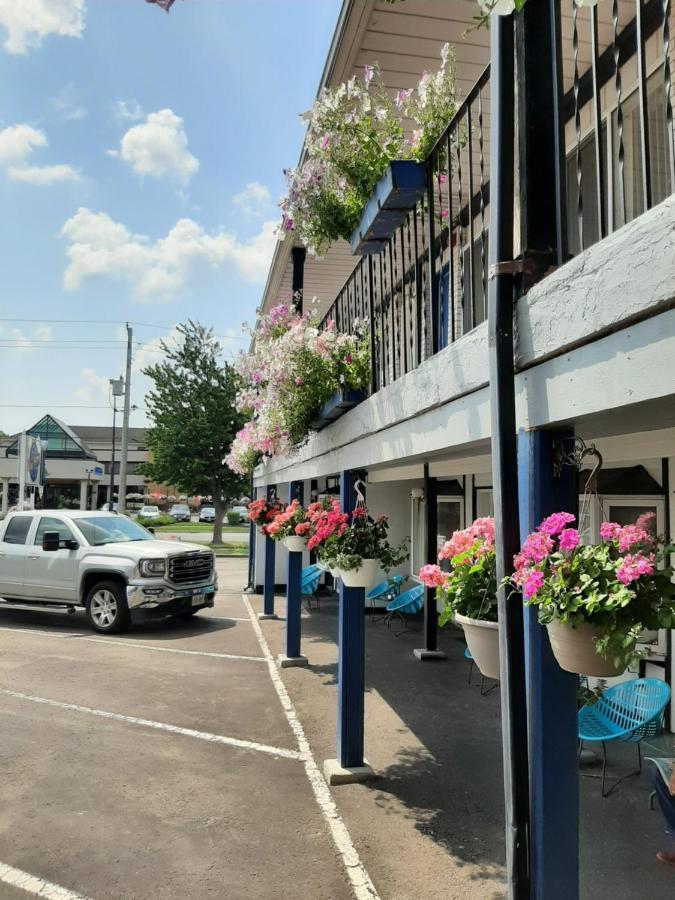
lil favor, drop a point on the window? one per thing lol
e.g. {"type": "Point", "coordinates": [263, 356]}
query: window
{"type": "Point", "coordinates": [17, 530]}
{"type": "Point", "coordinates": [450, 516]}
{"type": "Point", "coordinates": [47, 523]}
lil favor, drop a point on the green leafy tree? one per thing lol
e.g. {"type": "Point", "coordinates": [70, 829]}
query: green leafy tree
{"type": "Point", "coordinates": [194, 420]}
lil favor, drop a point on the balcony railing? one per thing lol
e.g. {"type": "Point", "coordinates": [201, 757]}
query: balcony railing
{"type": "Point", "coordinates": [427, 285]}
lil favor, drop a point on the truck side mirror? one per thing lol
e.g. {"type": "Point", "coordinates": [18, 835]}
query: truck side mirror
{"type": "Point", "coordinates": [151, 529]}
{"type": "Point", "coordinates": [51, 541]}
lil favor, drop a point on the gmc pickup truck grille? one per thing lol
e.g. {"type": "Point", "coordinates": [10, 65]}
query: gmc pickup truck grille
{"type": "Point", "coordinates": [191, 569]}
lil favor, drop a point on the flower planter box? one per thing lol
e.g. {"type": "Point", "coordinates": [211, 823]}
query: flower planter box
{"type": "Point", "coordinates": [337, 406]}
{"type": "Point", "coordinates": [397, 192]}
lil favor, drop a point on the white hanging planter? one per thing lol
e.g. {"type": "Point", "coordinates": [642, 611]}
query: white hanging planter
{"type": "Point", "coordinates": [295, 543]}
{"type": "Point", "coordinates": [363, 576]}
{"type": "Point", "coordinates": [482, 639]}
{"type": "Point", "coordinates": [574, 650]}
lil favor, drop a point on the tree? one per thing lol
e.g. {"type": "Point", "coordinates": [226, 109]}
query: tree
{"type": "Point", "coordinates": [194, 420]}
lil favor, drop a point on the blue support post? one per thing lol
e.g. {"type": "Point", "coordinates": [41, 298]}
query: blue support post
{"type": "Point", "coordinates": [270, 569]}
{"type": "Point", "coordinates": [293, 656]}
{"type": "Point", "coordinates": [551, 692]}
{"type": "Point", "coordinates": [350, 765]}
{"type": "Point", "coordinates": [250, 587]}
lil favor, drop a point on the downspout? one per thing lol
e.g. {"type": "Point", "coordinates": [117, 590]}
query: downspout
{"type": "Point", "coordinates": [504, 456]}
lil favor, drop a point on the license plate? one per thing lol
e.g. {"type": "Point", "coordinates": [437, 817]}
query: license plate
{"type": "Point", "coordinates": [197, 600]}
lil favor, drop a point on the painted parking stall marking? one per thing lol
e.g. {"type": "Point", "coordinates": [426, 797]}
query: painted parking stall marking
{"type": "Point", "coordinates": [39, 887]}
{"type": "Point", "coordinates": [362, 886]}
{"type": "Point", "coordinates": [159, 726]}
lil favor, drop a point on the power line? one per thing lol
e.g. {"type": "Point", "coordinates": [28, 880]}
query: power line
{"type": "Point", "coordinates": [224, 337]}
{"type": "Point", "coordinates": [57, 406]}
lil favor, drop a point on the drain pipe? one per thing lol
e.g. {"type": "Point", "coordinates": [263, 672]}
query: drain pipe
{"type": "Point", "coordinates": [504, 455]}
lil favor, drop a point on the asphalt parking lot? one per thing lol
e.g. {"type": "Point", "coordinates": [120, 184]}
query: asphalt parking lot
{"type": "Point", "coordinates": [164, 763]}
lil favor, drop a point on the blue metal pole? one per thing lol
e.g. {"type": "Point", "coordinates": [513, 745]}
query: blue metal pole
{"type": "Point", "coordinates": [251, 544]}
{"type": "Point", "coordinates": [351, 655]}
{"type": "Point", "coordinates": [551, 693]}
{"type": "Point", "coordinates": [293, 595]}
{"type": "Point", "coordinates": [270, 566]}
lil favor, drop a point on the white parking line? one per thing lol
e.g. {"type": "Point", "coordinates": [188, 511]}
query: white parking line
{"type": "Point", "coordinates": [34, 885]}
{"type": "Point", "coordinates": [140, 646]}
{"type": "Point", "coordinates": [160, 726]}
{"type": "Point", "coordinates": [137, 644]}
{"type": "Point", "coordinates": [363, 887]}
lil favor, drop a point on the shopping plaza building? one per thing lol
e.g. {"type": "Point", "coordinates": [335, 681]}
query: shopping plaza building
{"type": "Point", "coordinates": [78, 464]}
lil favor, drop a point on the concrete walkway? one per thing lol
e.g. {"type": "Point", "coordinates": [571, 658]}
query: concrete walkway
{"type": "Point", "coordinates": [431, 825]}
{"type": "Point", "coordinates": [164, 763]}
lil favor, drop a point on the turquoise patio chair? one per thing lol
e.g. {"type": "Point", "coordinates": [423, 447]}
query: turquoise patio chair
{"type": "Point", "coordinates": [483, 692]}
{"type": "Point", "coordinates": [385, 590]}
{"type": "Point", "coordinates": [408, 603]}
{"type": "Point", "coordinates": [627, 712]}
{"type": "Point", "coordinates": [309, 582]}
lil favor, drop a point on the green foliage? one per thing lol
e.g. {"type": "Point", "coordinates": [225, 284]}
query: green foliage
{"type": "Point", "coordinates": [583, 587]}
{"type": "Point", "coordinates": [233, 518]}
{"type": "Point", "coordinates": [193, 415]}
{"type": "Point", "coordinates": [365, 538]}
{"type": "Point", "coordinates": [470, 587]}
{"type": "Point", "coordinates": [155, 523]}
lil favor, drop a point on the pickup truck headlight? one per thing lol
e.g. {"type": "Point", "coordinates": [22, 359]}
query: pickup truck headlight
{"type": "Point", "coordinates": [152, 568]}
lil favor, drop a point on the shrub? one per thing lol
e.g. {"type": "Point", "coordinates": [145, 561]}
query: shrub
{"type": "Point", "coordinates": [233, 518]}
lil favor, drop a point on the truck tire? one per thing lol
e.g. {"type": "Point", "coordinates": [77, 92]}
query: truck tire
{"type": "Point", "coordinates": [107, 609]}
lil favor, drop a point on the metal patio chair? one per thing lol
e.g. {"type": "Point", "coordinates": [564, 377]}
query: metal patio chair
{"type": "Point", "coordinates": [408, 603]}
{"type": "Point", "coordinates": [309, 582]}
{"type": "Point", "coordinates": [483, 692]}
{"type": "Point", "coordinates": [627, 712]}
{"type": "Point", "coordinates": [385, 590]}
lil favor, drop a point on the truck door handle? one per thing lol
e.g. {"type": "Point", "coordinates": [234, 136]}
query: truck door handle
{"type": "Point", "coordinates": [33, 557]}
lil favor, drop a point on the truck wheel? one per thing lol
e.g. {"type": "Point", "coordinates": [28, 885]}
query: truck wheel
{"type": "Point", "coordinates": [107, 608]}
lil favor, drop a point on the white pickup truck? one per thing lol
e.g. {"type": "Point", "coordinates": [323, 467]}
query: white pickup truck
{"type": "Point", "coordinates": [103, 562]}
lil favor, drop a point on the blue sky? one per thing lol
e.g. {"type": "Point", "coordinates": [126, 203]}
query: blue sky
{"type": "Point", "coordinates": [141, 159]}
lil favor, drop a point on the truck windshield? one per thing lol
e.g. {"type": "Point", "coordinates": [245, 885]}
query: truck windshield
{"type": "Point", "coordinates": [100, 530]}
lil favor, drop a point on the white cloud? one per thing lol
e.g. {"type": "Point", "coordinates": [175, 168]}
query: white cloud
{"type": "Point", "coordinates": [42, 174]}
{"type": "Point", "coordinates": [67, 105]}
{"type": "Point", "coordinates": [155, 271]}
{"type": "Point", "coordinates": [94, 388]}
{"type": "Point", "coordinates": [151, 352]}
{"type": "Point", "coordinates": [28, 22]}
{"type": "Point", "coordinates": [22, 343]}
{"type": "Point", "coordinates": [17, 141]}
{"type": "Point", "coordinates": [128, 110]}
{"type": "Point", "coordinates": [158, 148]}
{"type": "Point", "coordinates": [43, 332]}
{"type": "Point", "coordinates": [16, 144]}
{"type": "Point", "coordinates": [253, 200]}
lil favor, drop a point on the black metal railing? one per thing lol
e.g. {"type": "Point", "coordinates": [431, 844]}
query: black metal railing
{"type": "Point", "coordinates": [427, 286]}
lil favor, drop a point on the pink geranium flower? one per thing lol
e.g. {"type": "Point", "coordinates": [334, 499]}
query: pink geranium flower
{"type": "Point", "coordinates": [431, 576]}
{"type": "Point", "coordinates": [569, 539]}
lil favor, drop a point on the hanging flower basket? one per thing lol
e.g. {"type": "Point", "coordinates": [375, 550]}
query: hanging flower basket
{"type": "Point", "coordinates": [574, 650]}
{"type": "Point", "coordinates": [363, 576]}
{"type": "Point", "coordinates": [394, 195]}
{"type": "Point", "coordinates": [595, 599]}
{"type": "Point", "coordinates": [340, 403]}
{"type": "Point", "coordinates": [482, 639]}
{"type": "Point", "coordinates": [295, 543]}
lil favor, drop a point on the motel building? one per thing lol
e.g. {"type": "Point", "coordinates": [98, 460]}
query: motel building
{"type": "Point", "coordinates": [537, 322]}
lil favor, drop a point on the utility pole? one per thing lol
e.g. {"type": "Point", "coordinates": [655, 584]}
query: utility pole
{"type": "Point", "coordinates": [122, 498]}
{"type": "Point", "coordinates": [117, 389]}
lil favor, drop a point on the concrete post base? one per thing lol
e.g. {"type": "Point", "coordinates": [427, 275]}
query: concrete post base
{"type": "Point", "coordinates": [334, 773]}
{"type": "Point", "coordinates": [288, 662]}
{"type": "Point", "coordinates": [263, 616]}
{"type": "Point", "coordinates": [429, 654]}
